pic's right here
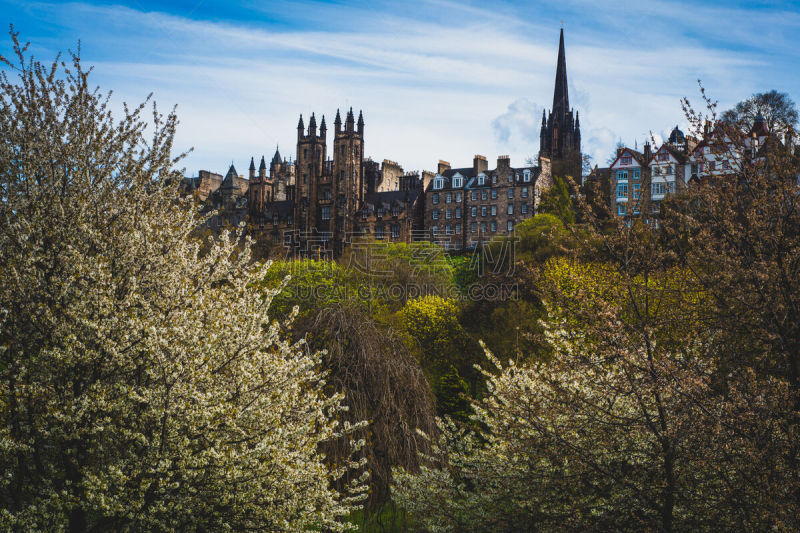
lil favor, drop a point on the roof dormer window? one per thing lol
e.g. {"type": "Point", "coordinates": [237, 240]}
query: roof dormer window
{"type": "Point", "coordinates": [438, 182]}
{"type": "Point", "coordinates": [526, 175]}
{"type": "Point", "coordinates": [481, 178]}
{"type": "Point", "coordinates": [457, 182]}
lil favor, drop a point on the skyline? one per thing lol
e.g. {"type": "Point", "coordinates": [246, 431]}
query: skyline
{"type": "Point", "coordinates": [436, 79]}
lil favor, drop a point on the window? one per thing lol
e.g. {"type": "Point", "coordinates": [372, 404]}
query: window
{"type": "Point", "coordinates": [636, 187]}
{"type": "Point", "coordinates": [622, 190]}
{"type": "Point", "coordinates": [712, 165]}
{"type": "Point", "coordinates": [637, 172]}
{"type": "Point", "coordinates": [511, 193]}
{"type": "Point", "coordinates": [326, 213]}
{"type": "Point", "coordinates": [458, 212]}
{"type": "Point", "coordinates": [524, 209]}
{"type": "Point", "coordinates": [481, 178]}
{"type": "Point", "coordinates": [434, 230]}
{"type": "Point", "coordinates": [473, 227]}
{"type": "Point", "coordinates": [483, 194]}
{"type": "Point", "coordinates": [457, 182]}
{"type": "Point", "coordinates": [379, 212]}
{"type": "Point", "coordinates": [620, 209]}
{"type": "Point", "coordinates": [448, 229]}
{"type": "Point", "coordinates": [494, 226]}
{"type": "Point", "coordinates": [510, 209]}
{"type": "Point", "coordinates": [438, 183]}
{"type": "Point", "coordinates": [287, 238]}
{"type": "Point", "coordinates": [658, 188]}
{"type": "Point", "coordinates": [436, 198]}
{"type": "Point", "coordinates": [510, 226]}
{"type": "Point", "coordinates": [494, 194]}
{"type": "Point", "coordinates": [474, 195]}
{"type": "Point", "coordinates": [448, 214]}
{"type": "Point", "coordinates": [483, 210]}
{"type": "Point", "coordinates": [458, 228]}
{"type": "Point", "coordinates": [396, 230]}
{"type": "Point", "coordinates": [379, 232]}
{"type": "Point", "coordinates": [670, 169]}
{"type": "Point", "coordinates": [483, 227]}
{"type": "Point", "coordinates": [526, 175]}
{"type": "Point", "coordinates": [663, 157]}
{"type": "Point", "coordinates": [494, 210]}
{"type": "Point", "coordinates": [458, 196]}
{"type": "Point", "coordinates": [656, 171]}
{"type": "Point", "coordinates": [474, 211]}
{"type": "Point", "coordinates": [448, 198]}
{"type": "Point", "coordinates": [524, 192]}
{"type": "Point", "coordinates": [435, 214]}
{"type": "Point", "coordinates": [395, 211]}
{"type": "Point", "coordinates": [726, 165]}
{"type": "Point", "coordinates": [326, 195]}
{"type": "Point", "coordinates": [626, 160]}
{"type": "Point", "coordinates": [622, 175]}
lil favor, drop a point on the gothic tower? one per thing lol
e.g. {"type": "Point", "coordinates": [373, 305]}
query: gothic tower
{"type": "Point", "coordinates": [311, 152]}
{"type": "Point", "coordinates": [348, 182]}
{"type": "Point", "coordinates": [560, 136]}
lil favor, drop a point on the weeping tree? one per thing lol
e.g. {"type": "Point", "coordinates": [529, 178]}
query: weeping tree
{"type": "Point", "coordinates": [143, 386]}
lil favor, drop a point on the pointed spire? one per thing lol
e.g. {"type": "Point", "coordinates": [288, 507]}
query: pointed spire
{"type": "Point", "coordinates": [577, 120]}
{"type": "Point", "coordinates": [561, 93]}
{"type": "Point", "coordinates": [252, 164]}
{"type": "Point", "coordinates": [312, 123]}
{"type": "Point", "coordinates": [544, 120]}
{"type": "Point", "coordinates": [276, 159]}
{"type": "Point", "coordinates": [338, 119]}
{"type": "Point", "coordinates": [360, 118]}
{"type": "Point", "coordinates": [263, 165]}
{"type": "Point", "coordinates": [230, 179]}
{"type": "Point", "coordinates": [322, 127]}
{"type": "Point", "coordinates": [300, 124]}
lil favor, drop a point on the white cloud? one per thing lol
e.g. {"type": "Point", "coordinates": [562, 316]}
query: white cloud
{"type": "Point", "coordinates": [436, 80]}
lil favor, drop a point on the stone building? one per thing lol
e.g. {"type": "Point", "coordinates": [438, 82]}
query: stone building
{"type": "Point", "coordinates": [318, 203]}
{"type": "Point", "coordinates": [560, 134]}
{"type": "Point", "coordinates": [469, 206]}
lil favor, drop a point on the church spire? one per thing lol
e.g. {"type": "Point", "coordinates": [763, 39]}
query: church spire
{"type": "Point", "coordinates": [561, 94]}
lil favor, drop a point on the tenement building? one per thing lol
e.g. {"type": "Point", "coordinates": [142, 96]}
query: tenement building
{"type": "Point", "coordinates": [322, 200]}
{"type": "Point", "coordinates": [639, 181]}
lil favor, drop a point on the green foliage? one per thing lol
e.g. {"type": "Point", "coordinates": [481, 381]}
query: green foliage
{"type": "Point", "coordinates": [556, 201]}
{"type": "Point", "coordinates": [446, 352]}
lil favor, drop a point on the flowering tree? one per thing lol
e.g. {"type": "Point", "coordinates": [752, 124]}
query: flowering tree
{"type": "Point", "coordinates": [142, 384]}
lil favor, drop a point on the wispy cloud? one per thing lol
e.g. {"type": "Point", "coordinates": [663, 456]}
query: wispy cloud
{"type": "Point", "coordinates": [436, 78]}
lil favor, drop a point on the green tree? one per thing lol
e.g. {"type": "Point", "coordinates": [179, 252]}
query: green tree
{"type": "Point", "coordinates": [778, 110]}
{"type": "Point", "coordinates": [143, 387]}
{"type": "Point", "coordinates": [557, 201]}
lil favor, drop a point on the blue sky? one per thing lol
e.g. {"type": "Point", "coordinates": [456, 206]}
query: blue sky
{"type": "Point", "coordinates": [436, 79]}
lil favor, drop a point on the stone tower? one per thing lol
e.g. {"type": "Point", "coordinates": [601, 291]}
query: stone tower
{"type": "Point", "coordinates": [348, 183]}
{"type": "Point", "coordinates": [311, 153]}
{"type": "Point", "coordinates": [560, 136]}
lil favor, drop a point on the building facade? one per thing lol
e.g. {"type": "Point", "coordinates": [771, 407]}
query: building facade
{"type": "Point", "coordinates": [322, 200]}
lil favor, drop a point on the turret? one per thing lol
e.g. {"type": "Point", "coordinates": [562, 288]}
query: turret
{"type": "Point", "coordinates": [360, 123]}
{"type": "Point", "coordinates": [350, 122]}
{"type": "Point", "coordinates": [312, 126]}
{"type": "Point", "coordinates": [300, 127]}
{"type": "Point", "coordinates": [323, 128]}
{"type": "Point", "coordinates": [252, 168]}
{"type": "Point", "coordinates": [337, 122]}
{"type": "Point", "coordinates": [262, 169]}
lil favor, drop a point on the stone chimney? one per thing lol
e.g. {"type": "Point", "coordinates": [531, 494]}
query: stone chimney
{"type": "Point", "coordinates": [503, 163]}
{"type": "Point", "coordinates": [443, 167]}
{"type": "Point", "coordinates": [647, 153]}
{"type": "Point", "coordinates": [479, 164]}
